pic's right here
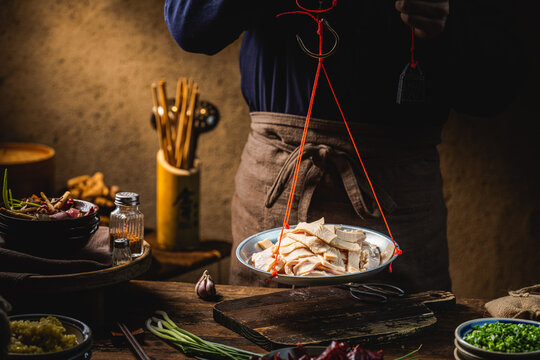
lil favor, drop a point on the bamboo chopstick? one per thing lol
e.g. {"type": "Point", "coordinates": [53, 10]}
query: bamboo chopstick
{"type": "Point", "coordinates": [159, 125]}
{"type": "Point", "coordinates": [180, 137]}
{"type": "Point", "coordinates": [188, 156]}
{"type": "Point", "coordinates": [135, 345]}
{"type": "Point", "coordinates": [167, 124]}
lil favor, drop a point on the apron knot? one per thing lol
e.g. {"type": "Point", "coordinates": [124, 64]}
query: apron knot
{"type": "Point", "coordinates": [316, 160]}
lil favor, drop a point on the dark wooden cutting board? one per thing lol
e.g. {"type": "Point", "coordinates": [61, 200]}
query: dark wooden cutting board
{"type": "Point", "coordinates": [321, 314]}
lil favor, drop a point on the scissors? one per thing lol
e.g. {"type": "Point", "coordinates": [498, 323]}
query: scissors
{"type": "Point", "coordinates": [374, 292]}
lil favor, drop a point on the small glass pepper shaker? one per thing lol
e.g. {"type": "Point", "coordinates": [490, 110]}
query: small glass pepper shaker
{"type": "Point", "coordinates": [121, 253]}
{"type": "Point", "coordinates": [127, 221]}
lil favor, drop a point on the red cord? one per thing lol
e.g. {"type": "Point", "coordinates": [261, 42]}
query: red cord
{"type": "Point", "coordinates": [306, 125]}
{"type": "Point", "coordinates": [334, 3]}
{"type": "Point", "coordinates": [396, 250]}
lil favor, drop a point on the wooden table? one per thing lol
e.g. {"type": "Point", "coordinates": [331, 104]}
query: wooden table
{"type": "Point", "coordinates": [135, 301]}
{"type": "Point", "coordinates": [168, 264]}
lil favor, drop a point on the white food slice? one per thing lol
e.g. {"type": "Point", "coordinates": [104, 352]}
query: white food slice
{"type": "Point", "coordinates": [332, 228]}
{"type": "Point", "coordinates": [286, 241]}
{"type": "Point", "coordinates": [265, 244]}
{"type": "Point", "coordinates": [371, 256]}
{"type": "Point", "coordinates": [314, 244]}
{"type": "Point", "coordinates": [285, 250]}
{"type": "Point", "coordinates": [306, 265]}
{"type": "Point", "coordinates": [353, 261]}
{"type": "Point", "coordinates": [387, 253]}
{"type": "Point", "coordinates": [288, 267]}
{"type": "Point", "coordinates": [317, 230]}
{"type": "Point", "coordinates": [297, 254]}
{"type": "Point", "coordinates": [332, 254]}
{"type": "Point", "coordinates": [331, 268]}
{"type": "Point", "coordinates": [345, 245]}
{"type": "Point", "coordinates": [354, 236]}
{"type": "Point", "coordinates": [317, 273]}
{"type": "Point", "coordinates": [264, 260]}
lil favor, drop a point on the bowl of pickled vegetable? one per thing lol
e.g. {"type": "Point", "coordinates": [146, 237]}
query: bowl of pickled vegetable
{"type": "Point", "coordinates": [498, 338]}
{"type": "Point", "coordinates": [44, 336]}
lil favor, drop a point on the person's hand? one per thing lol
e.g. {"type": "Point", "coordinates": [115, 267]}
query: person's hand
{"type": "Point", "coordinates": [427, 16]}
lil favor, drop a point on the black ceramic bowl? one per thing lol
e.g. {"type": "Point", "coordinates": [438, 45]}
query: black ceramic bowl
{"type": "Point", "coordinates": [81, 351]}
{"type": "Point", "coordinates": [294, 351]}
{"type": "Point", "coordinates": [50, 237]}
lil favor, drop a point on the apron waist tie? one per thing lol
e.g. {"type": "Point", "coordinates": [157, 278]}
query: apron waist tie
{"type": "Point", "coordinates": [320, 155]}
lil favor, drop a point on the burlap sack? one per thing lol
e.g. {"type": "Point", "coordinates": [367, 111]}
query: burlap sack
{"type": "Point", "coordinates": [520, 304]}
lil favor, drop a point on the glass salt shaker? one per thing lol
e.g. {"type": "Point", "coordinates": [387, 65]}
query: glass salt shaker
{"type": "Point", "coordinates": [127, 222]}
{"type": "Point", "coordinates": [121, 253]}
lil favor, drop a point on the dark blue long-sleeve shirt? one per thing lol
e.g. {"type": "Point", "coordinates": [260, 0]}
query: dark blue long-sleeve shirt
{"type": "Point", "coordinates": [472, 66]}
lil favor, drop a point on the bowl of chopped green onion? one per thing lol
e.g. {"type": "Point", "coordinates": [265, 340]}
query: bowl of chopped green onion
{"type": "Point", "coordinates": [499, 338]}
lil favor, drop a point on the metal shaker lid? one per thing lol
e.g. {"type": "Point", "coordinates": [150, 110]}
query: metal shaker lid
{"type": "Point", "coordinates": [126, 199]}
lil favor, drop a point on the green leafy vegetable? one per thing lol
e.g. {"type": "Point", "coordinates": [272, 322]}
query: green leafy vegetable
{"type": "Point", "coordinates": [505, 337]}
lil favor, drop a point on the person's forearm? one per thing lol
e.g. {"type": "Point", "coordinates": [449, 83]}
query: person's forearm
{"type": "Point", "coordinates": [207, 26]}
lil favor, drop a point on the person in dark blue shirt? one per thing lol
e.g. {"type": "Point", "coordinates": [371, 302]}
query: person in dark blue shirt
{"type": "Point", "coordinates": [468, 57]}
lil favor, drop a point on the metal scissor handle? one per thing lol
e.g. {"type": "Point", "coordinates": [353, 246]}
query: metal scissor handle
{"type": "Point", "coordinates": [315, 55]}
{"type": "Point", "coordinates": [374, 292]}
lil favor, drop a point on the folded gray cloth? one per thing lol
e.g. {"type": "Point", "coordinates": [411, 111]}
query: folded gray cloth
{"type": "Point", "coordinates": [16, 266]}
{"type": "Point", "coordinates": [520, 304]}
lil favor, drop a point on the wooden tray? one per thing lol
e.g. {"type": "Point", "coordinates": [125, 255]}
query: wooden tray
{"type": "Point", "coordinates": [89, 280]}
{"type": "Point", "coordinates": [321, 314]}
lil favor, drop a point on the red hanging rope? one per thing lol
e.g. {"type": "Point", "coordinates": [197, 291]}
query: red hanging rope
{"type": "Point", "coordinates": [303, 142]}
{"type": "Point", "coordinates": [414, 63]}
{"type": "Point", "coordinates": [304, 135]}
{"type": "Point", "coordinates": [396, 250]}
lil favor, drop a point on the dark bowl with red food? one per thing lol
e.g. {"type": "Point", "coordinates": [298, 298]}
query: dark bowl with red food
{"type": "Point", "coordinates": [63, 232]}
{"type": "Point", "coordinates": [335, 350]}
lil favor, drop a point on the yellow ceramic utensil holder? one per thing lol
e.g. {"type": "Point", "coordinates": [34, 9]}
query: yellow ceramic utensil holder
{"type": "Point", "coordinates": [177, 206]}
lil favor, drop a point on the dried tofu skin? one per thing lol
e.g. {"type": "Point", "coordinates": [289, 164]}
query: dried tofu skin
{"type": "Point", "coordinates": [317, 249]}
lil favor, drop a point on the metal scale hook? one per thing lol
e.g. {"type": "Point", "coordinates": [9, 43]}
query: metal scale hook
{"type": "Point", "coordinates": [325, 55]}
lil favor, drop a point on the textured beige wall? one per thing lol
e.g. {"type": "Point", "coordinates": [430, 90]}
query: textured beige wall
{"type": "Point", "coordinates": [75, 75]}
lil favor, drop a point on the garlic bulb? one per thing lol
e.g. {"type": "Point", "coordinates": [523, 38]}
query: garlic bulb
{"type": "Point", "coordinates": [205, 287]}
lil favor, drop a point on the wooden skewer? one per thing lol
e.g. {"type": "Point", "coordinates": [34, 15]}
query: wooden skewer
{"type": "Point", "coordinates": [159, 125]}
{"type": "Point", "coordinates": [168, 138]}
{"type": "Point", "coordinates": [180, 136]}
{"type": "Point", "coordinates": [187, 161]}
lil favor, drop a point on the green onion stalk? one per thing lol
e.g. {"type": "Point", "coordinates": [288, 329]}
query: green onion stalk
{"type": "Point", "coordinates": [191, 344]}
{"type": "Point", "coordinates": [7, 198]}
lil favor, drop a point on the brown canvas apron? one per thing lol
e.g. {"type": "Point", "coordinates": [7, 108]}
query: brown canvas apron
{"type": "Point", "coordinates": [403, 164]}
